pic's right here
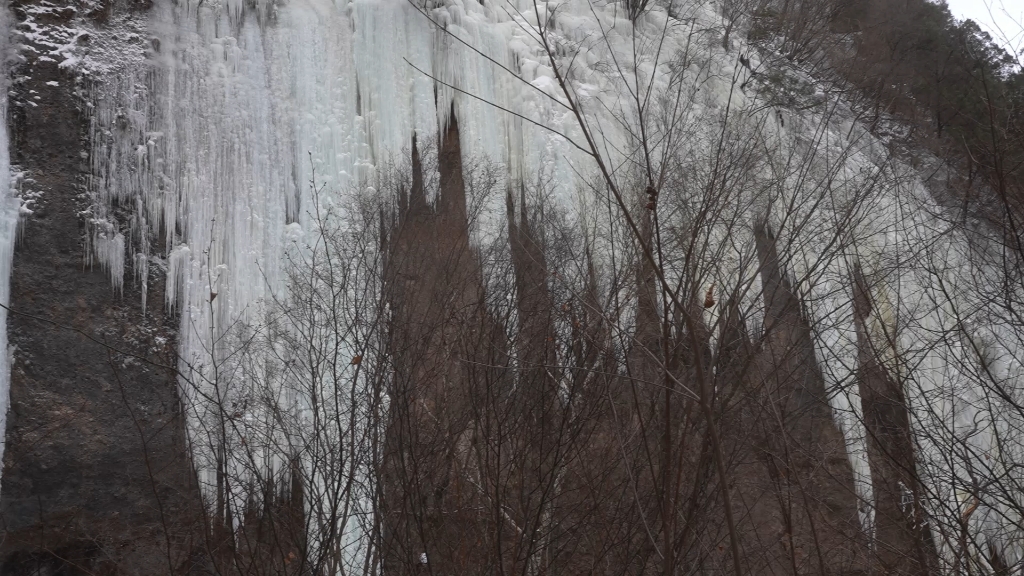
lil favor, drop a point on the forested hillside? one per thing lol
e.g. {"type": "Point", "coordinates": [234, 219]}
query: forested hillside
{"type": "Point", "coordinates": [955, 87]}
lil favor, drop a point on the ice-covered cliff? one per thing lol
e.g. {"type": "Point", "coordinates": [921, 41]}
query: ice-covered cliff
{"type": "Point", "coordinates": [230, 140]}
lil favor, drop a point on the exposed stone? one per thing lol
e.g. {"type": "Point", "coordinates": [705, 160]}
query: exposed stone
{"type": "Point", "coordinates": [96, 475]}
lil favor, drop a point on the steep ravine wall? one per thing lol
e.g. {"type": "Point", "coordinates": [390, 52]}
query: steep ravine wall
{"type": "Point", "coordinates": [95, 474]}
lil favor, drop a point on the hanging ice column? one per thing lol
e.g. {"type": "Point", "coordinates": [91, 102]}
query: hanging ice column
{"type": "Point", "coordinates": [9, 213]}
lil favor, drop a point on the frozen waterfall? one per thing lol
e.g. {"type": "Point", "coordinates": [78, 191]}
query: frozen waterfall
{"type": "Point", "coordinates": [213, 135]}
{"type": "Point", "coordinates": [9, 214]}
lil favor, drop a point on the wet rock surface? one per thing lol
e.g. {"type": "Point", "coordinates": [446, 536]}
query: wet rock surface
{"type": "Point", "coordinates": [96, 478]}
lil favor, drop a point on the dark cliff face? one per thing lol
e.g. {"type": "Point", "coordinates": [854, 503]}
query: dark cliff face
{"type": "Point", "coordinates": [95, 478]}
{"type": "Point", "coordinates": [803, 456]}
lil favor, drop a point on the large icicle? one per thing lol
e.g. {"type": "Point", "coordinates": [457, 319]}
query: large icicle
{"type": "Point", "coordinates": [9, 213]}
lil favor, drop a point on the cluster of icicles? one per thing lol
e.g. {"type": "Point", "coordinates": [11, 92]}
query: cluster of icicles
{"type": "Point", "coordinates": [9, 214]}
{"type": "Point", "coordinates": [213, 141]}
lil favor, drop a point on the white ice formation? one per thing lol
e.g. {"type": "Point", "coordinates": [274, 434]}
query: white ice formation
{"type": "Point", "coordinates": [212, 141]}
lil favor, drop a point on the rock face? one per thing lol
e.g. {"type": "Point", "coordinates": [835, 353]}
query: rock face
{"type": "Point", "coordinates": [95, 477]}
{"type": "Point", "coordinates": [904, 543]}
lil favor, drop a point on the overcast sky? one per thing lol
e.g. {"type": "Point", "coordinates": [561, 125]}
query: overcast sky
{"type": "Point", "coordinates": [993, 16]}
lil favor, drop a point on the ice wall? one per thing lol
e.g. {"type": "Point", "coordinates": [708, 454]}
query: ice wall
{"type": "Point", "coordinates": [213, 145]}
{"type": "Point", "coordinates": [243, 102]}
{"type": "Point", "coordinates": [213, 142]}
